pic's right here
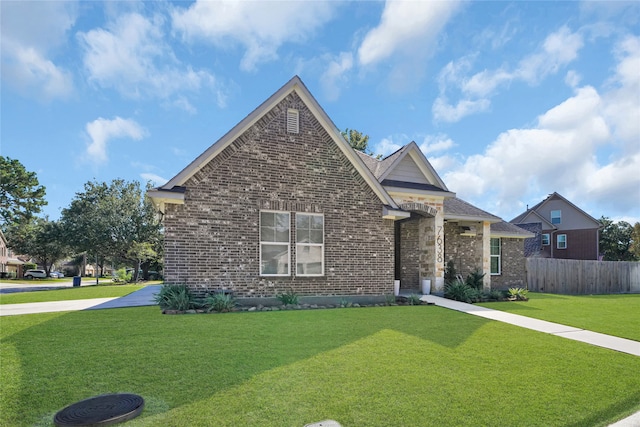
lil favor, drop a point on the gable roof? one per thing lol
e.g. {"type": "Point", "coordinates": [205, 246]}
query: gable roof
{"type": "Point", "coordinates": [506, 229]}
{"type": "Point", "coordinates": [531, 216]}
{"type": "Point", "coordinates": [553, 196]}
{"type": "Point", "coordinates": [383, 168]}
{"type": "Point", "coordinates": [170, 192]}
{"type": "Point", "coordinates": [458, 209]}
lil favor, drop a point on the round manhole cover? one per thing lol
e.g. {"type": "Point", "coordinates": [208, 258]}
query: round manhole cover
{"type": "Point", "coordinates": [104, 410]}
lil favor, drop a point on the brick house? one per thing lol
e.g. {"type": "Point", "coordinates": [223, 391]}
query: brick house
{"type": "Point", "coordinates": [562, 230]}
{"type": "Point", "coordinates": [282, 202]}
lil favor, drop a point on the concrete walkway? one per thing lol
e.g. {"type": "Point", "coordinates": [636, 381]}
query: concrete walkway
{"type": "Point", "coordinates": [138, 298]}
{"type": "Point", "coordinates": [577, 334]}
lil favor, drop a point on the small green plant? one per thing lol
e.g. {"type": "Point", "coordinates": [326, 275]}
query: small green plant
{"type": "Point", "coordinates": [122, 276]}
{"type": "Point", "coordinates": [495, 295]}
{"type": "Point", "coordinates": [414, 299]}
{"type": "Point", "coordinates": [458, 290]}
{"type": "Point", "coordinates": [450, 272]}
{"type": "Point", "coordinates": [220, 302]}
{"type": "Point", "coordinates": [288, 298]}
{"type": "Point", "coordinates": [345, 303]}
{"type": "Point", "coordinates": [174, 297]}
{"type": "Point", "coordinates": [518, 294]}
{"type": "Point", "coordinates": [475, 280]}
{"type": "Point", "coordinates": [389, 299]}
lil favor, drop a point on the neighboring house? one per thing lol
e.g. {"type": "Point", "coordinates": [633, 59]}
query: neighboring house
{"type": "Point", "coordinates": [562, 230]}
{"type": "Point", "coordinates": [10, 266]}
{"type": "Point", "coordinates": [282, 202]}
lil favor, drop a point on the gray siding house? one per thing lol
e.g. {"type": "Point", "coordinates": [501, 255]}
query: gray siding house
{"type": "Point", "coordinates": [282, 202]}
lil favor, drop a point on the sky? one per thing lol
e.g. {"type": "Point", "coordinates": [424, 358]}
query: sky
{"type": "Point", "coordinates": [509, 101]}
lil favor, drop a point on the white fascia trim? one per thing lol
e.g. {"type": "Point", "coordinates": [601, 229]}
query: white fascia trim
{"type": "Point", "coordinates": [394, 214]}
{"type": "Point", "coordinates": [471, 218]}
{"type": "Point", "coordinates": [512, 236]}
{"type": "Point", "coordinates": [400, 192]}
{"type": "Point", "coordinates": [159, 196]}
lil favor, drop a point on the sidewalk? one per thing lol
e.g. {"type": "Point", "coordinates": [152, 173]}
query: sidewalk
{"type": "Point", "coordinates": [577, 334]}
{"type": "Point", "coordinates": [138, 298]}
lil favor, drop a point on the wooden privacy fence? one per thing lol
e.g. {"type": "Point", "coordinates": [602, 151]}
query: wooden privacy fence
{"type": "Point", "coordinates": [579, 277]}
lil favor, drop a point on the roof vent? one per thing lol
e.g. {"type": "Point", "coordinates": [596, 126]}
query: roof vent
{"type": "Point", "coordinates": [293, 121]}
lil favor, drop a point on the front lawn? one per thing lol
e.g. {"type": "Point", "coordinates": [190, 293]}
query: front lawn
{"type": "Point", "coordinates": [379, 366]}
{"type": "Point", "coordinates": [617, 315]}
{"type": "Point", "coordinates": [85, 292]}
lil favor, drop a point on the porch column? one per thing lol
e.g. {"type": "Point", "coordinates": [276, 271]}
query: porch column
{"type": "Point", "coordinates": [439, 252]}
{"type": "Point", "coordinates": [486, 255]}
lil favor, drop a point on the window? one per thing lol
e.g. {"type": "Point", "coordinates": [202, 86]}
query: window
{"type": "Point", "coordinates": [562, 241]}
{"type": "Point", "coordinates": [293, 121]}
{"type": "Point", "coordinates": [309, 244]}
{"type": "Point", "coordinates": [274, 243]}
{"type": "Point", "coordinates": [545, 239]}
{"type": "Point", "coordinates": [556, 217]}
{"type": "Point", "coordinates": [495, 256]}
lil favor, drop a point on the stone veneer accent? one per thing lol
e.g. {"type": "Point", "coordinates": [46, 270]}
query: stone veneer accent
{"type": "Point", "coordinates": [513, 265]}
{"type": "Point", "coordinates": [212, 241]}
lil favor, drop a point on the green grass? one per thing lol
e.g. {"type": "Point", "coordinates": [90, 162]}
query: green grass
{"type": "Point", "coordinates": [617, 315]}
{"type": "Point", "coordinates": [85, 292]}
{"type": "Point", "coordinates": [385, 366]}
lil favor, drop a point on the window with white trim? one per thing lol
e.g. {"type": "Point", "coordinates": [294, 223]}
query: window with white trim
{"type": "Point", "coordinates": [562, 241]}
{"type": "Point", "coordinates": [275, 240]}
{"type": "Point", "coordinates": [496, 254]}
{"type": "Point", "coordinates": [293, 121]}
{"type": "Point", "coordinates": [545, 239]}
{"type": "Point", "coordinates": [556, 217]}
{"type": "Point", "coordinates": [309, 244]}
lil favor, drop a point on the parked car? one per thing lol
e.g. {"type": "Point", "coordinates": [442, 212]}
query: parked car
{"type": "Point", "coordinates": [35, 274]}
{"type": "Point", "coordinates": [56, 275]}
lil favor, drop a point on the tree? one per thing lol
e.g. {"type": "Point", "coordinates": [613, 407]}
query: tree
{"type": "Point", "coordinates": [107, 219]}
{"type": "Point", "coordinates": [635, 243]}
{"type": "Point", "coordinates": [40, 238]}
{"type": "Point", "coordinates": [141, 252]}
{"type": "Point", "coordinates": [356, 139]}
{"type": "Point", "coordinates": [21, 195]}
{"type": "Point", "coordinates": [616, 240]}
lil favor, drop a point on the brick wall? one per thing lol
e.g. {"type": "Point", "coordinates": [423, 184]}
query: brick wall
{"type": "Point", "coordinates": [212, 241]}
{"type": "Point", "coordinates": [465, 251]}
{"type": "Point", "coordinates": [410, 253]}
{"type": "Point", "coordinates": [513, 272]}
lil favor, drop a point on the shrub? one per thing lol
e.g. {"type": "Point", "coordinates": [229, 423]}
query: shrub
{"type": "Point", "coordinates": [475, 280]}
{"type": "Point", "coordinates": [460, 291]}
{"type": "Point", "coordinates": [122, 276]}
{"type": "Point", "coordinates": [495, 295]}
{"type": "Point", "coordinates": [389, 299]}
{"type": "Point", "coordinates": [219, 302]}
{"type": "Point", "coordinates": [288, 298]}
{"type": "Point", "coordinates": [518, 294]}
{"type": "Point", "coordinates": [414, 299]}
{"type": "Point", "coordinates": [174, 297]}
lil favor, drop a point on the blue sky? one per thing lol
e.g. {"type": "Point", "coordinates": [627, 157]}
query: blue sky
{"type": "Point", "coordinates": [509, 101]}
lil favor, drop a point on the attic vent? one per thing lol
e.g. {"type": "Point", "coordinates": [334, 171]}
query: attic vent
{"type": "Point", "coordinates": [293, 122]}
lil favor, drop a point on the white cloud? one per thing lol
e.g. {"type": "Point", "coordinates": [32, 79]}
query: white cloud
{"type": "Point", "coordinates": [558, 49]}
{"type": "Point", "coordinates": [334, 75]}
{"type": "Point", "coordinates": [259, 27]}
{"type": "Point", "coordinates": [156, 180]}
{"type": "Point", "coordinates": [101, 131]}
{"type": "Point", "coordinates": [30, 33]}
{"type": "Point", "coordinates": [131, 56]}
{"type": "Point", "coordinates": [587, 148]}
{"type": "Point", "coordinates": [436, 143]}
{"type": "Point", "coordinates": [405, 38]}
{"type": "Point", "coordinates": [403, 27]}
{"type": "Point", "coordinates": [387, 146]}
{"type": "Point", "coordinates": [445, 112]}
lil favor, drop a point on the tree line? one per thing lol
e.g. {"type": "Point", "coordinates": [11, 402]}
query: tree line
{"type": "Point", "coordinates": [106, 224]}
